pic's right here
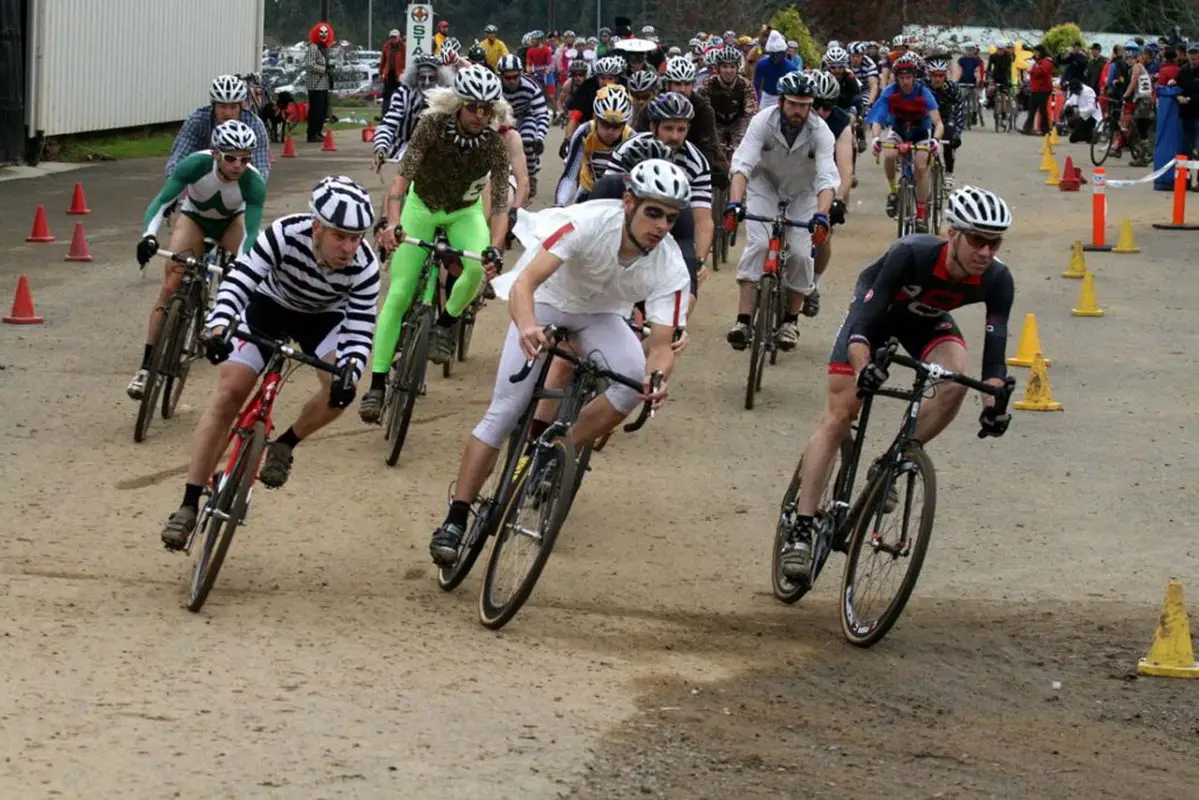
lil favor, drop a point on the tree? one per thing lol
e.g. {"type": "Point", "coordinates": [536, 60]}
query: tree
{"type": "Point", "coordinates": [790, 24]}
{"type": "Point", "coordinates": [877, 20]}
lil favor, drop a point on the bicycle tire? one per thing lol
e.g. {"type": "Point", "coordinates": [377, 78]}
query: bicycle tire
{"type": "Point", "coordinates": [148, 406]}
{"type": "Point", "coordinates": [769, 350]}
{"type": "Point", "coordinates": [876, 493]}
{"type": "Point", "coordinates": [1101, 139]}
{"type": "Point", "coordinates": [495, 615]}
{"type": "Point", "coordinates": [906, 208]}
{"type": "Point", "coordinates": [936, 195]}
{"type": "Point", "coordinates": [466, 330]}
{"type": "Point", "coordinates": [183, 357]}
{"type": "Point", "coordinates": [412, 377]}
{"type": "Point", "coordinates": [757, 344]}
{"type": "Point", "coordinates": [782, 586]}
{"type": "Point", "coordinates": [447, 366]}
{"type": "Point", "coordinates": [232, 502]}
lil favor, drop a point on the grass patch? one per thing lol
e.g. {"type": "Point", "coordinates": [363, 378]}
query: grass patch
{"type": "Point", "coordinates": [114, 147]}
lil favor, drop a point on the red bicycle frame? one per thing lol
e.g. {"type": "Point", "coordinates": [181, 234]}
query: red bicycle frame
{"type": "Point", "coordinates": [259, 408]}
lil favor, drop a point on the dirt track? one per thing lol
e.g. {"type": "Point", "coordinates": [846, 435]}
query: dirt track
{"type": "Point", "coordinates": [652, 660]}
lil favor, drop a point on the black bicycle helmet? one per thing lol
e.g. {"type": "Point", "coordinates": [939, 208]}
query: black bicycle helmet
{"type": "Point", "coordinates": [671, 105]}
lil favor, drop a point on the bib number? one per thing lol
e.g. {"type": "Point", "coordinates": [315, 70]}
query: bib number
{"type": "Point", "coordinates": [475, 190]}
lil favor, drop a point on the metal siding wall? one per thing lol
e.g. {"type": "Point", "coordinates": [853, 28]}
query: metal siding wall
{"type": "Point", "coordinates": [121, 63]}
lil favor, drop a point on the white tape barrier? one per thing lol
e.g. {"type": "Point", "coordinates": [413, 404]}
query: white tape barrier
{"type": "Point", "coordinates": [1167, 167]}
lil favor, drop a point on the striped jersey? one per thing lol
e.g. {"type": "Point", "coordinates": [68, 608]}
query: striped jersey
{"type": "Point", "coordinates": [281, 266]}
{"type": "Point", "coordinates": [400, 121]}
{"type": "Point", "coordinates": [529, 108]}
{"type": "Point", "coordinates": [586, 162]}
{"type": "Point", "coordinates": [865, 71]}
{"type": "Point", "coordinates": [691, 161]}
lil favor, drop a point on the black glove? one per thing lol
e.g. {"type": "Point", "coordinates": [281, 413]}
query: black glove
{"type": "Point", "coordinates": [342, 390]}
{"type": "Point", "coordinates": [819, 226]}
{"type": "Point", "coordinates": [564, 148]}
{"type": "Point", "coordinates": [955, 141]}
{"type": "Point", "coordinates": [537, 146]}
{"type": "Point", "coordinates": [871, 378]}
{"type": "Point", "coordinates": [217, 349]}
{"type": "Point", "coordinates": [992, 423]}
{"type": "Point", "coordinates": [492, 255]}
{"type": "Point", "coordinates": [146, 249]}
{"type": "Point", "coordinates": [837, 213]}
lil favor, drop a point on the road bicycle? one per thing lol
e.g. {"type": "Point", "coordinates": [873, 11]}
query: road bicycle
{"type": "Point", "coordinates": [854, 525]}
{"type": "Point", "coordinates": [1107, 131]}
{"type": "Point", "coordinates": [229, 492]}
{"type": "Point", "coordinates": [720, 238]}
{"type": "Point", "coordinates": [178, 340]}
{"type": "Point", "coordinates": [905, 191]}
{"type": "Point", "coordinates": [770, 298]}
{"type": "Point", "coordinates": [1003, 110]}
{"type": "Point", "coordinates": [406, 379]}
{"type": "Point", "coordinates": [528, 500]}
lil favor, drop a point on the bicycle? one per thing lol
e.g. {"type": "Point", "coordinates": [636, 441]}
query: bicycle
{"type": "Point", "coordinates": [178, 339]}
{"type": "Point", "coordinates": [769, 301]}
{"type": "Point", "coordinates": [406, 379]}
{"type": "Point", "coordinates": [720, 239]}
{"type": "Point", "coordinates": [230, 491]}
{"type": "Point", "coordinates": [905, 208]}
{"type": "Point", "coordinates": [851, 524]}
{"type": "Point", "coordinates": [539, 476]}
{"type": "Point", "coordinates": [1003, 112]}
{"type": "Point", "coordinates": [1140, 148]}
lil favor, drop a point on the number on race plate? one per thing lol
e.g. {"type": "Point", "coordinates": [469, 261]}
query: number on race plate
{"type": "Point", "coordinates": [475, 190]}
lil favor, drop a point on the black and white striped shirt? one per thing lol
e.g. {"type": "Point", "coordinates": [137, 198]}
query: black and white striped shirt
{"type": "Point", "coordinates": [281, 266]}
{"type": "Point", "coordinates": [397, 126]}
{"type": "Point", "coordinates": [691, 161]}
{"type": "Point", "coordinates": [529, 108]}
{"type": "Point", "coordinates": [865, 71]}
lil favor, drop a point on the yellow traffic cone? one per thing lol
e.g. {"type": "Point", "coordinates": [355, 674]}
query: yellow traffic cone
{"type": "Point", "coordinates": [1171, 655]}
{"type": "Point", "coordinates": [1054, 139]}
{"type": "Point", "coordinates": [1088, 304]}
{"type": "Point", "coordinates": [1038, 396]}
{"type": "Point", "coordinates": [1055, 177]}
{"type": "Point", "coordinates": [1047, 164]}
{"type": "Point", "coordinates": [1078, 262]}
{"type": "Point", "coordinates": [1029, 346]}
{"type": "Point", "coordinates": [1124, 243]}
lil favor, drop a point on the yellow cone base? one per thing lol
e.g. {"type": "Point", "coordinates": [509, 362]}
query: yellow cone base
{"type": "Point", "coordinates": [1124, 242]}
{"type": "Point", "coordinates": [1026, 362]}
{"type": "Point", "coordinates": [1171, 655]}
{"type": "Point", "coordinates": [1087, 312]}
{"type": "Point", "coordinates": [1037, 405]}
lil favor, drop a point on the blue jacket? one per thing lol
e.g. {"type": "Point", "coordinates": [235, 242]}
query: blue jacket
{"type": "Point", "coordinates": [767, 73]}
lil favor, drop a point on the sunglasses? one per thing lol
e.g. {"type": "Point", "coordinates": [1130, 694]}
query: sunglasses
{"type": "Point", "coordinates": [980, 241]}
{"type": "Point", "coordinates": [611, 126]}
{"type": "Point", "coordinates": [476, 107]}
{"type": "Point", "coordinates": [228, 159]}
{"type": "Point", "coordinates": [655, 213]}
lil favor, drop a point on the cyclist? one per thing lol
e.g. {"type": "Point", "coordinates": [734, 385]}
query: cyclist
{"type": "Point", "coordinates": [527, 101]}
{"type": "Point", "coordinates": [493, 47]}
{"type": "Point", "coordinates": [442, 176]}
{"type": "Point", "coordinates": [578, 72]}
{"type": "Point", "coordinates": [309, 277]}
{"type": "Point", "coordinates": [910, 110]}
{"type": "Point", "coordinates": [393, 133]}
{"type": "Point", "coordinates": [866, 72]}
{"type": "Point", "coordinates": [643, 87]}
{"type": "Point", "coordinates": [999, 81]}
{"type": "Point", "coordinates": [595, 260]}
{"type": "Point", "coordinates": [768, 70]}
{"type": "Point", "coordinates": [908, 293]}
{"type": "Point", "coordinates": [952, 106]}
{"type": "Point", "coordinates": [223, 198]}
{"type": "Point", "coordinates": [970, 70]}
{"type": "Point", "coordinates": [731, 96]}
{"type": "Point", "coordinates": [607, 71]}
{"type": "Point", "coordinates": [787, 153]}
{"type": "Point", "coordinates": [227, 100]}
{"type": "Point", "coordinates": [593, 145]}
{"type": "Point", "coordinates": [827, 89]}
{"type": "Point", "coordinates": [679, 77]}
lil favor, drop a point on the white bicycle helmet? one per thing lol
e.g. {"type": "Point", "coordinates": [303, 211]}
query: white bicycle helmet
{"type": "Point", "coordinates": [609, 65]}
{"type": "Point", "coordinates": [658, 179]}
{"type": "Point", "coordinates": [340, 202]}
{"type": "Point", "coordinates": [938, 66]}
{"type": "Point", "coordinates": [729, 54]}
{"type": "Point", "coordinates": [824, 85]}
{"type": "Point", "coordinates": [836, 57]}
{"type": "Point", "coordinates": [452, 44]}
{"type": "Point", "coordinates": [643, 80]}
{"type": "Point", "coordinates": [643, 147]}
{"type": "Point", "coordinates": [478, 83]}
{"type": "Point", "coordinates": [973, 209]}
{"type": "Point", "coordinates": [679, 70]}
{"type": "Point", "coordinates": [233, 135]}
{"type": "Point", "coordinates": [508, 63]}
{"type": "Point", "coordinates": [228, 89]}
{"type": "Point", "coordinates": [612, 105]}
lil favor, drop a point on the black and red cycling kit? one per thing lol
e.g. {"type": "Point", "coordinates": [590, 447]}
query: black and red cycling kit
{"type": "Point", "coordinates": [908, 294]}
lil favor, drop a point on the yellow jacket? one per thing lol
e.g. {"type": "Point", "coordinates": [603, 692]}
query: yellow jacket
{"type": "Point", "coordinates": [493, 51]}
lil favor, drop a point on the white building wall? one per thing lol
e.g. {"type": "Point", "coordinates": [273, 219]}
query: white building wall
{"type": "Point", "coordinates": [102, 64]}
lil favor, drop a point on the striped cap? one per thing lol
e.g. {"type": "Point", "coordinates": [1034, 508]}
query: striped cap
{"type": "Point", "coordinates": [342, 203]}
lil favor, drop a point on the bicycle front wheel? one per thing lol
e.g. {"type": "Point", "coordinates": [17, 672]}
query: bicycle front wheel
{"type": "Point", "coordinates": [224, 512]}
{"type": "Point", "coordinates": [763, 327]}
{"type": "Point", "coordinates": [411, 379]}
{"type": "Point", "coordinates": [1101, 142]}
{"type": "Point", "coordinates": [881, 540]}
{"type": "Point", "coordinates": [159, 362]}
{"type": "Point", "coordinates": [527, 532]}
{"type": "Point", "coordinates": [181, 358]}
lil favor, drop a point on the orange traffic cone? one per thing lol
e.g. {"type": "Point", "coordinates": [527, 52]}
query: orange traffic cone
{"type": "Point", "coordinates": [368, 133]}
{"type": "Point", "coordinates": [41, 229]}
{"type": "Point", "coordinates": [22, 306]}
{"type": "Point", "coordinates": [78, 201]}
{"type": "Point", "coordinates": [329, 146]}
{"type": "Point", "coordinates": [289, 148]}
{"type": "Point", "coordinates": [1070, 177]}
{"type": "Point", "coordinates": [78, 251]}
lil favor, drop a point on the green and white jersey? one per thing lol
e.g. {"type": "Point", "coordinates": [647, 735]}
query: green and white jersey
{"type": "Point", "coordinates": [210, 201]}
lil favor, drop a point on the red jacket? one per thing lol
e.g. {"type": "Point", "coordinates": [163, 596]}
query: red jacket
{"type": "Point", "coordinates": [1040, 77]}
{"type": "Point", "coordinates": [394, 59]}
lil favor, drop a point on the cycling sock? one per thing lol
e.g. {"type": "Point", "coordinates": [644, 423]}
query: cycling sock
{"type": "Point", "coordinates": [791, 318]}
{"type": "Point", "coordinates": [191, 495]}
{"type": "Point", "coordinates": [289, 438]}
{"type": "Point", "coordinates": [920, 211]}
{"type": "Point", "coordinates": [459, 513]}
{"type": "Point", "coordinates": [744, 319]}
{"type": "Point", "coordinates": [378, 380]}
{"type": "Point", "coordinates": [445, 320]}
{"type": "Point", "coordinates": [146, 356]}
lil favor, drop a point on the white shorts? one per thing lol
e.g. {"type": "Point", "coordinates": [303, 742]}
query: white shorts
{"type": "Point", "coordinates": [799, 271]}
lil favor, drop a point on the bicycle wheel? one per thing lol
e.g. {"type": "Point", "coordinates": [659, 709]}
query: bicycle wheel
{"type": "Point", "coordinates": [221, 516]}
{"type": "Point", "coordinates": [936, 194]}
{"type": "Point", "coordinates": [543, 489]}
{"type": "Point", "coordinates": [878, 551]}
{"type": "Point", "coordinates": [447, 368]}
{"type": "Point", "coordinates": [1101, 142]}
{"type": "Point", "coordinates": [413, 363]}
{"type": "Point", "coordinates": [784, 588]}
{"type": "Point", "coordinates": [182, 358]}
{"type": "Point", "coordinates": [757, 346]}
{"type": "Point", "coordinates": [904, 208]}
{"type": "Point", "coordinates": [466, 329]}
{"type": "Point", "coordinates": [159, 361]}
